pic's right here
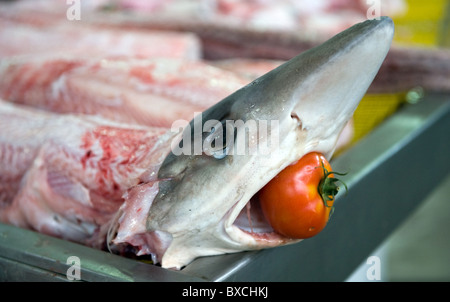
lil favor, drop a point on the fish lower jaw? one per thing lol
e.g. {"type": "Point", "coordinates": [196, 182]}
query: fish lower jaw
{"type": "Point", "coordinates": [251, 230]}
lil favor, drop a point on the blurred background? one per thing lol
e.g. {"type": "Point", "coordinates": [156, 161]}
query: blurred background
{"type": "Point", "coordinates": [419, 250]}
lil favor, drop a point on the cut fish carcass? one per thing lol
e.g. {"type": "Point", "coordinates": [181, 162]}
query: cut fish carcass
{"type": "Point", "coordinates": [17, 38]}
{"type": "Point", "coordinates": [152, 92]}
{"type": "Point", "coordinates": [65, 175]}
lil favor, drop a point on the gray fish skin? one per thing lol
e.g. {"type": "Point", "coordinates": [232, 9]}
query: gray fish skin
{"type": "Point", "coordinates": [310, 98]}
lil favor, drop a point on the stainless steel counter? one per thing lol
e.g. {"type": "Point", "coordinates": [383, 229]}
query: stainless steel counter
{"type": "Point", "coordinates": [390, 172]}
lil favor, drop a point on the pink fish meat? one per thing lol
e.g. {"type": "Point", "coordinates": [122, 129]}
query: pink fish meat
{"type": "Point", "coordinates": [320, 17]}
{"type": "Point", "coordinates": [152, 92]}
{"type": "Point", "coordinates": [226, 33]}
{"type": "Point", "coordinates": [65, 175]}
{"type": "Point", "coordinates": [17, 38]}
{"type": "Point", "coordinates": [249, 68]}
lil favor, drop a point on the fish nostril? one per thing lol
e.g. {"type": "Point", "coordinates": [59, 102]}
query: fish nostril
{"type": "Point", "coordinates": [294, 116]}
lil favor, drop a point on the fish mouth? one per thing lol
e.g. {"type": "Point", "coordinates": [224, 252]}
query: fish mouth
{"type": "Point", "coordinates": [246, 224]}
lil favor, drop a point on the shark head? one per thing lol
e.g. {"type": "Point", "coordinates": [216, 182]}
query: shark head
{"type": "Point", "coordinates": [227, 153]}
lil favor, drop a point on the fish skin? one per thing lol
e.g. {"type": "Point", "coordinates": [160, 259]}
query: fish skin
{"type": "Point", "coordinates": [312, 96]}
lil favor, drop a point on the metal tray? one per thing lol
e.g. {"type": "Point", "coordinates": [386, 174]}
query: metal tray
{"type": "Point", "coordinates": [390, 172]}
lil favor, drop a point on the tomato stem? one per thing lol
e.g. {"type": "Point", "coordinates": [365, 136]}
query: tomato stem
{"type": "Point", "coordinates": [328, 188]}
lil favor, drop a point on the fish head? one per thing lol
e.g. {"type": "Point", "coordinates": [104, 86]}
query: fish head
{"type": "Point", "coordinates": [227, 153]}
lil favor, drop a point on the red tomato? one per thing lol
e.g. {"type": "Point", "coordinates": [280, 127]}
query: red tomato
{"type": "Point", "coordinates": [298, 201]}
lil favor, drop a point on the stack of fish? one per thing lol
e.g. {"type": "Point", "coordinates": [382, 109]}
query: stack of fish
{"type": "Point", "coordinates": [91, 93]}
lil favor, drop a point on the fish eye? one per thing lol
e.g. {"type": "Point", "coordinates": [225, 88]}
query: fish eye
{"type": "Point", "coordinates": [219, 140]}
